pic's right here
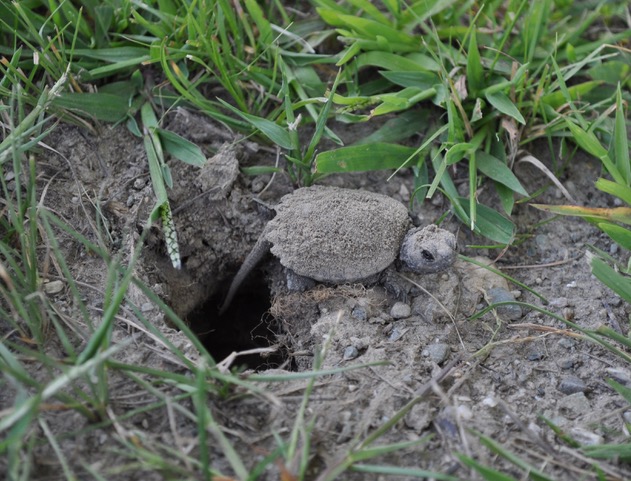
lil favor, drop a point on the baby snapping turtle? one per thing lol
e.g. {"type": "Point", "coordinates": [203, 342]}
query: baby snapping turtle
{"type": "Point", "coordinates": [336, 235]}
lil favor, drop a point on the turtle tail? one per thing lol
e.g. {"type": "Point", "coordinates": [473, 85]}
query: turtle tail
{"type": "Point", "coordinates": [260, 249]}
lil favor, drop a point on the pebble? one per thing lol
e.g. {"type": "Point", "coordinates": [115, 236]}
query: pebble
{"type": "Point", "coordinates": [400, 310]}
{"type": "Point", "coordinates": [464, 412]}
{"type": "Point", "coordinates": [574, 405]}
{"type": "Point", "coordinates": [585, 437]}
{"type": "Point", "coordinates": [571, 385]}
{"type": "Point", "coordinates": [566, 363]}
{"type": "Point", "coordinates": [438, 353]}
{"type": "Point", "coordinates": [350, 352]}
{"type": "Point", "coordinates": [359, 313]}
{"type": "Point", "coordinates": [559, 302]}
{"type": "Point", "coordinates": [53, 287]}
{"type": "Point", "coordinates": [621, 376]}
{"type": "Point", "coordinates": [613, 248]}
{"type": "Point", "coordinates": [507, 312]}
{"type": "Point", "coordinates": [396, 334]}
{"type": "Point", "coordinates": [542, 241]}
{"type": "Point", "coordinates": [615, 301]}
{"type": "Point", "coordinates": [146, 307]}
{"type": "Point", "coordinates": [404, 193]}
{"type": "Point", "coordinates": [567, 343]}
{"type": "Point", "coordinates": [424, 307]}
{"type": "Point", "coordinates": [139, 183]}
{"type": "Point", "coordinates": [535, 355]}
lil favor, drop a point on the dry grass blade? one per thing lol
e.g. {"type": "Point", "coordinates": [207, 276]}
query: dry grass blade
{"type": "Point", "coordinates": [543, 168]}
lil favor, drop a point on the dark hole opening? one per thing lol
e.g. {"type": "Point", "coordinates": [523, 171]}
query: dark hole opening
{"type": "Point", "coordinates": [246, 325]}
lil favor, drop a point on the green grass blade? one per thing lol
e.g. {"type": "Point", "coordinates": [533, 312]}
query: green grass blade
{"type": "Point", "coordinates": [365, 157]}
{"type": "Point", "coordinates": [617, 282]}
{"type": "Point", "coordinates": [401, 471]}
{"type": "Point", "coordinates": [498, 449]}
{"type": "Point", "coordinates": [475, 71]}
{"type": "Point", "coordinates": [497, 170]}
{"type": "Point", "coordinates": [277, 134]}
{"type": "Point", "coordinates": [181, 149]}
{"type": "Point", "coordinates": [576, 92]}
{"type": "Point", "coordinates": [588, 141]}
{"type": "Point", "coordinates": [502, 103]}
{"type": "Point", "coordinates": [620, 150]}
{"type": "Point", "coordinates": [620, 452]}
{"type": "Point", "coordinates": [624, 391]}
{"type": "Point", "coordinates": [619, 234]}
{"type": "Point", "coordinates": [99, 106]}
{"type": "Point", "coordinates": [487, 473]}
{"type": "Point", "coordinates": [621, 191]}
{"type": "Point", "coordinates": [489, 223]}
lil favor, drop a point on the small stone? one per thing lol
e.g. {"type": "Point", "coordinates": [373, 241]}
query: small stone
{"type": "Point", "coordinates": [613, 248]}
{"type": "Point", "coordinates": [464, 412]}
{"type": "Point", "coordinates": [542, 241]}
{"type": "Point", "coordinates": [566, 363]}
{"type": "Point", "coordinates": [139, 183]}
{"type": "Point", "coordinates": [571, 385]}
{"type": "Point", "coordinates": [585, 437]}
{"type": "Point", "coordinates": [567, 343]}
{"type": "Point", "coordinates": [574, 405]}
{"type": "Point", "coordinates": [615, 301]}
{"type": "Point", "coordinates": [437, 352]}
{"type": "Point", "coordinates": [627, 417]}
{"type": "Point", "coordinates": [571, 285]}
{"type": "Point", "coordinates": [621, 376]}
{"type": "Point", "coordinates": [559, 302]}
{"type": "Point", "coordinates": [359, 313]}
{"type": "Point", "coordinates": [350, 352]}
{"type": "Point", "coordinates": [404, 193]}
{"type": "Point", "coordinates": [507, 312]}
{"type": "Point", "coordinates": [376, 320]}
{"type": "Point", "coordinates": [53, 287]}
{"type": "Point", "coordinates": [146, 307]}
{"type": "Point", "coordinates": [535, 355]}
{"type": "Point", "coordinates": [419, 417]}
{"type": "Point", "coordinates": [396, 334]}
{"type": "Point", "coordinates": [424, 307]}
{"type": "Point", "coordinates": [400, 310]}
{"type": "Point", "coordinates": [535, 428]}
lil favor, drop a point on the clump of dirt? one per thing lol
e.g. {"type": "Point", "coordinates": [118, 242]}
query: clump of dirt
{"type": "Point", "coordinates": [506, 369]}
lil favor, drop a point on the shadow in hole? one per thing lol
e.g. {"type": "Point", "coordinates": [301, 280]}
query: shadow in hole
{"type": "Point", "coordinates": [245, 325]}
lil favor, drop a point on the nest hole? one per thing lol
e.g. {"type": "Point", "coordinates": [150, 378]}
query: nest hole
{"type": "Point", "coordinates": [246, 325]}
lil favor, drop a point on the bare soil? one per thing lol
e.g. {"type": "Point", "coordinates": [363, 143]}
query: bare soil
{"type": "Point", "coordinates": [507, 370]}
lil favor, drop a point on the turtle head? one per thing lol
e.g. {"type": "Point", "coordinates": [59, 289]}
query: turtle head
{"type": "Point", "coordinates": [427, 250]}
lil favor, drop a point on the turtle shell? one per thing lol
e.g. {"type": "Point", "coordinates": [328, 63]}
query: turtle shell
{"type": "Point", "coordinates": [337, 235]}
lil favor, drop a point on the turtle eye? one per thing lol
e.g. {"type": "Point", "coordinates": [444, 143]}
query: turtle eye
{"type": "Point", "coordinates": [427, 255]}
